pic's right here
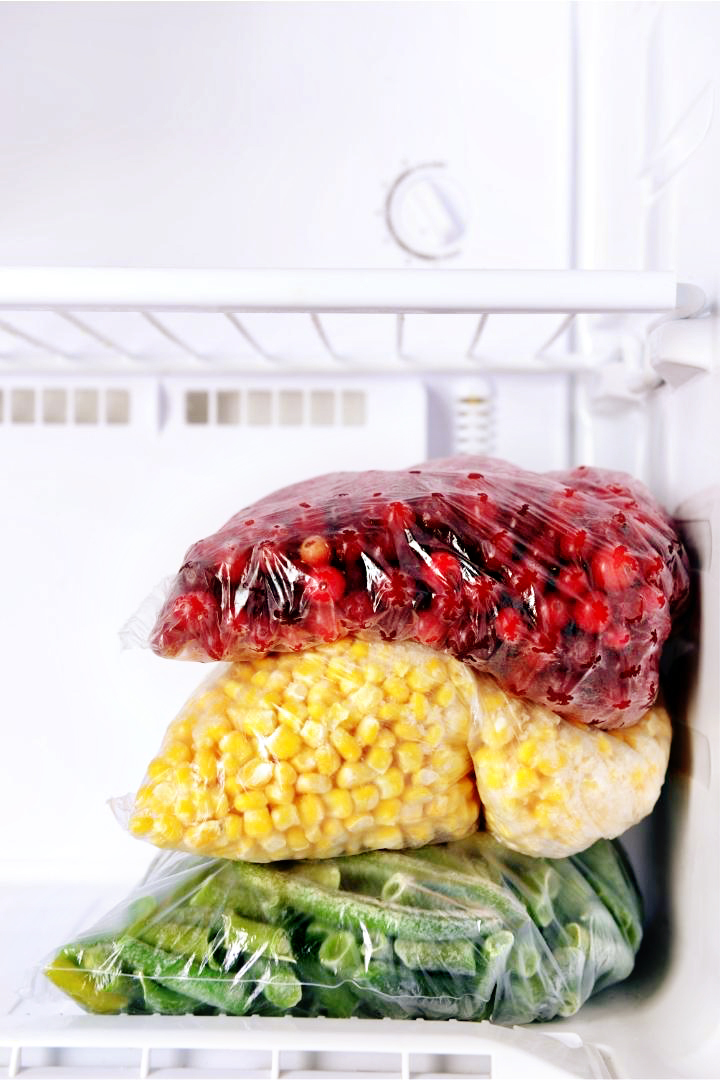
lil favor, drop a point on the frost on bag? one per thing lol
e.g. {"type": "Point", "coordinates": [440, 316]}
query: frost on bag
{"type": "Point", "coordinates": [352, 746]}
{"type": "Point", "coordinates": [561, 585]}
{"type": "Point", "coordinates": [551, 787]}
{"type": "Point", "coordinates": [466, 931]}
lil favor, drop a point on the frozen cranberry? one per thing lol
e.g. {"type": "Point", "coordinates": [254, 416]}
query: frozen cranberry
{"type": "Point", "coordinates": [430, 629]}
{"type": "Point", "coordinates": [399, 516]}
{"type": "Point", "coordinates": [442, 571]}
{"type": "Point", "coordinates": [324, 585]}
{"type": "Point", "coordinates": [315, 551]}
{"type": "Point", "coordinates": [571, 543]}
{"type": "Point", "coordinates": [191, 611]}
{"type": "Point", "coordinates": [592, 613]}
{"type": "Point", "coordinates": [448, 605]}
{"type": "Point", "coordinates": [553, 614]}
{"type": "Point", "coordinates": [357, 610]}
{"type": "Point", "coordinates": [321, 622]}
{"type": "Point", "coordinates": [614, 569]}
{"type": "Point", "coordinates": [478, 593]}
{"type": "Point", "coordinates": [509, 625]}
{"type": "Point", "coordinates": [572, 582]}
{"type": "Point", "coordinates": [498, 550]}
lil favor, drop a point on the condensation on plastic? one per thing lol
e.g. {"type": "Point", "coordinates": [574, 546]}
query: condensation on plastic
{"type": "Point", "coordinates": [551, 787]}
{"type": "Point", "coordinates": [352, 746]}
{"type": "Point", "coordinates": [561, 585]}
{"type": "Point", "coordinates": [363, 745]}
{"type": "Point", "coordinates": [467, 930]}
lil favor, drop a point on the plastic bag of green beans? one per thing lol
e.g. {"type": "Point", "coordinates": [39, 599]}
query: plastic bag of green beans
{"type": "Point", "coordinates": [468, 930]}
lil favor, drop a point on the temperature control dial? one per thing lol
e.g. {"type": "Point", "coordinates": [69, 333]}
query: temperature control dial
{"type": "Point", "coordinates": [427, 212]}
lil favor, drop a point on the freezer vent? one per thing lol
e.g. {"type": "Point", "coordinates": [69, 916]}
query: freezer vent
{"type": "Point", "coordinates": [474, 421]}
{"type": "Point", "coordinates": [287, 408]}
{"type": "Point", "coordinates": [59, 405]}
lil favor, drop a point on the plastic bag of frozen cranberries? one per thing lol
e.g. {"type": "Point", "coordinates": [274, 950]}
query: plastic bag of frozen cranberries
{"type": "Point", "coordinates": [562, 585]}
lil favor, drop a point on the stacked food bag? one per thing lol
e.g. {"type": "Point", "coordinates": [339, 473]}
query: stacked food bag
{"type": "Point", "coordinates": [440, 693]}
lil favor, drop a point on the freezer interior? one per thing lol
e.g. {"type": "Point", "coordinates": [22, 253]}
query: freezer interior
{"type": "Point", "coordinates": [139, 409]}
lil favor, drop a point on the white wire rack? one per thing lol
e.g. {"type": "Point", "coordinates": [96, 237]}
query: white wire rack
{"type": "Point", "coordinates": [250, 320]}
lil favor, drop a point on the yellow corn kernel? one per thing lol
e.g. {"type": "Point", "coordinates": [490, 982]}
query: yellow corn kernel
{"type": "Point", "coordinates": [313, 733]}
{"type": "Point", "coordinates": [296, 840]}
{"type": "Point", "coordinates": [419, 705]}
{"type": "Point", "coordinates": [387, 812]}
{"type": "Point", "coordinates": [305, 761]}
{"type": "Point", "coordinates": [250, 800]}
{"type": "Point", "coordinates": [283, 743]}
{"type": "Point", "coordinates": [310, 667]}
{"type": "Point", "coordinates": [206, 836]}
{"type": "Point", "coordinates": [274, 844]}
{"type": "Point", "coordinates": [339, 803]}
{"type": "Point", "coordinates": [365, 700]}
{"type": "Point", "coordinates": [411, 812]}
{"type": "Point", "coordinates": [367, 731]}
{"type": "Point", "coordinates": [526, 751]}
{"type": "Point", "coordinates": [277, 793]}
{"type": "Point", "coordinates": [327, 760]}
{"type": "Point", "coordinates": [232, 688]}
{"type": "Point", "coordinates": [177, 752]}
{"type": "Point", "coordinates": [257, 823]}
{"type": "Point", "coordinates": [359, 650]}
{"type": "Point", "coordinates": [420, 833]}
{"type": "Point", "coordinates": [255, 774]}
{"type": "Point", "coordinates": [157, 767]}
{"type": "Point", "coordinates": [494, 777]}
{"type": "Point", "coordinates": [542, 815]}
{"type": "Point", "coordinates": [408, 731]}
{"type": "Point", "coordinates": [185, 810]}
{"type": "Point", "coordinates": [233, 827]}
{"type": "Point", "coordinates": [334, 830]}
{"type": "Point", "coordinates": [524, 780]}
{"type": "Point", "coordinates": [292, 710]}
{"type": "Point", "coordinates": [206, 765]}
{"type": "Point", "coordinates": [338, 715]}
{"type": "Point", "coordinates": [357, 823]}
{"type": "Point", "coordinates": [238, 744]}
{"type": "Point", "coordinates": [284, 774]}
{"type": "Point", "coordinates": [379, 759]}
{"type": "Point", "coordinates": [311, 810]}
{"type": "Point", "coordinates": [450, 764]}
{"type": "Point", "coordinates": [396, 689]}
{"type": "Point", "coordinates": [391, 783]}
{"type": "Point", "coordinates": [386, 739]}
{"type": "Point", "coordinates": [222, 805]}
{"type": "Point", "coordinates": [352, 774]}
{"type": "Point", "coordinates": [444, 695]}
{"type": "Point", "coordinates": [389, 711]}
{"type": "Point", "coordinates": [373, 673]}
{"type": "Point", "coordinates": [284, 817]}
{"type": "Point", "coordinates": [365, 797]}
{"type": "Point", "coordinates": [420, 679]}
{"type": "Point", "coordinates": [345, 744]}
{"type": "Point", "coordinates": [409, 756]}
{"type": "Point", "coordinates": [317, 710]}
{"type": "Point", "coordinates": [184, 778]}
{"type": "Point", "coordinates": [433, 735]}
{"type": "Point", "coordinates": [314, 783]}
{"type": "Point", "coordinates": [141, 824]}
{"type": "Point", "coordinates": [384, 836]}
{"type": "Point", "coordinates": [204, 805]}
{"type": "Point", "coordinates": [260, 677]}
{"type": "Point", "coordinates": [295, 691]}
{"type": "Point", "coordinates": [182, 730]}
{"type": "Point", "coordinates": [418, 794]}
{"type": "Point", "coordinates": [260, 722]}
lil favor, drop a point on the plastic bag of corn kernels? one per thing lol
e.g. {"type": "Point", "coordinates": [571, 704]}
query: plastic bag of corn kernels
{"type": "Point", "coordinates": [551, 787]}
{"type": "Point", "coordinates": [562, 586]}
{"type": "Point", "coordinates": [467, 931]}
{"type": "Point", "coordinates": [352, 746]}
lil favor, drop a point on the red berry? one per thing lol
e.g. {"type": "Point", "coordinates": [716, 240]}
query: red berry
{"type": "Point", "coordinates": [571, 543]}
{"type": "Point", "coordinates": [443, 571]}
{"type": "Point", "coordinates": [357, 610]}
{"type": "Point", "coordinates": [191, 611]}
{"type": "Point", "coordinates": [430, 629]}
{"type": "Point", "coordinates": [399, 516]}
{"type": "Point", "coordinates": [348, 545]}
{"type": "Point", "coordinates": [508, 625]}
{"type": "Point", "coordinates": [321, 621]}
{"type": "Point", "coordinates": [315, 551]}
{"type": "Point", "coordinates": [553, 614]}
{"type": "Point", "coordinates": [478, 593]}
{"type": "Point", "coordinates": [572, 582]}
{"type": "Point", "coordinates": [614, 569]}
{"type": "Point", "coordinates": [324, 585]}
{"type": "Point", "coordinates": [395, 589]}
{"type": "Point", "coordinates": [498, 550]}
{"type": "Point", "coordinates": [592, 613]}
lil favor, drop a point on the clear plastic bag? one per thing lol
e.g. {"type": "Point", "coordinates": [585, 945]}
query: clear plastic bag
{"type": "Point", "coordinates": [467, 931]}
{"type": "Point", "coordinates": [362, 745]}
{"type": "Point", "coordinates": [560, 585]}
